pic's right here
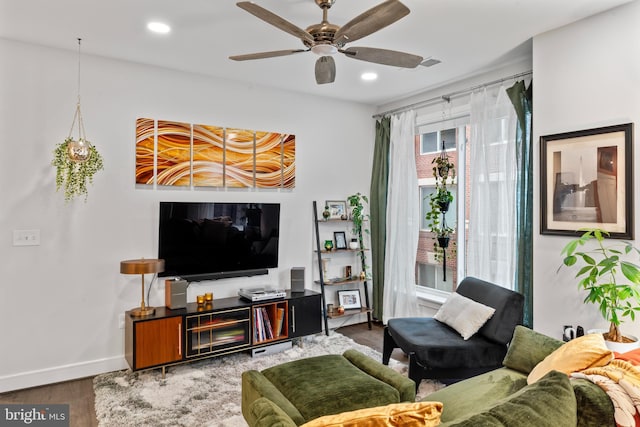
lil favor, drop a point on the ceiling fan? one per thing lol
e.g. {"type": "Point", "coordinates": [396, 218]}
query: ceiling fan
{"type": "Point", "coordinates": [326, 39]}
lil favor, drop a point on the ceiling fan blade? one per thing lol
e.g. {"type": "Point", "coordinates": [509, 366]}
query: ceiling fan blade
{"type": "Point", "coordinates": [262, 55]}
{"type": "Point", "coordinates": [325, 70]}
{"type": "Point", "coordinates": [275, 20]}
{"type": "Point", "coordinates": [371, 21]}
{"type": "Point", "coordinates": [383, 56]}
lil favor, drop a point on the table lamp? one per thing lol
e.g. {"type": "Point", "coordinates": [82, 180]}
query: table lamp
{"type": "Point", "coordinates": [142, 266]}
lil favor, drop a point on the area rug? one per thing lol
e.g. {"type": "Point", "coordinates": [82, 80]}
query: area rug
{"type": "Point", "coordinates": [208, 392]}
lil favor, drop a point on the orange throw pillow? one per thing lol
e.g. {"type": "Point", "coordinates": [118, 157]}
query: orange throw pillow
{"type": "Point", "coordinates": [588, 351]}
{"type": "Point", "coordinates": [417, 414]}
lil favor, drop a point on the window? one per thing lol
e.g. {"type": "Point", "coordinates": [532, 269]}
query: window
{"type": "Point", "coordinates": [425, 194]}
{"type": "Point", "coordinates": [429, 269]}
{"type": "Point", "coordinates": [431, 276]}
{"type": "Point", "coordinates": [431, 142]}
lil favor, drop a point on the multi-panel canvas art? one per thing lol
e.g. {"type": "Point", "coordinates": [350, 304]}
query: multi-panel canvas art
{"type": "Point", "coordinates": [183, 154]}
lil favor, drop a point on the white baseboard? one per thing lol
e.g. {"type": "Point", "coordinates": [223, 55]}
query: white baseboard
{"type": "Point", "coordinates": [61, 373]}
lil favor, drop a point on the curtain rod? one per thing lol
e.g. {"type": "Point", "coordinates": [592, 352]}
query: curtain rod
{"type": "Point", "coordinates": [448, 96]}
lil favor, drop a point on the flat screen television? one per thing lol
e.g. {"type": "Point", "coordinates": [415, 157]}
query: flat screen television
{"type": "Point", "coordinates": [211, 240]}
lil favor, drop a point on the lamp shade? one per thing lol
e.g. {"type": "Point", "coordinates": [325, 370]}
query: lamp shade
{"type": "Point", "coordinates": [142, 266]}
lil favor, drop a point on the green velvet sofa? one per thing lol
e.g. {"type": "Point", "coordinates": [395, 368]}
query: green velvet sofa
{"type": "Point", "coordinates": [503, 398]}
{"type": "Point", "coordinates": [497, 398]}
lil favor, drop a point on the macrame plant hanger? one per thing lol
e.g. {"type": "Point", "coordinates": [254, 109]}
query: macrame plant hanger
{"type": "Point", "coordinates": [78, 150]}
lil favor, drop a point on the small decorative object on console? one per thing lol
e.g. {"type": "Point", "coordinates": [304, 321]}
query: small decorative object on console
{"type": "Point", "coordinates": [142, 266]}
{"type": "Point", "coordinates": [261, 294]}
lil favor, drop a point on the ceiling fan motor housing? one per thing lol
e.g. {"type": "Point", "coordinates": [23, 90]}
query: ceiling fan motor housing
{"type": "Point", "coordinates": [325, 4]}
{"type": "Point", "coordinates": [323, 35]}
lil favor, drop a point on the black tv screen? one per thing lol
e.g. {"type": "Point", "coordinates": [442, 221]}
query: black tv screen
{"type": "Point", "coordinates": [208, 241]}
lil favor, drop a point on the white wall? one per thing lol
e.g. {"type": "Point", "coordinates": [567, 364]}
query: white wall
{"type": "Point", "coordinates": [586, 75]}
{"type": "Point", "coordinates": [60, 302]}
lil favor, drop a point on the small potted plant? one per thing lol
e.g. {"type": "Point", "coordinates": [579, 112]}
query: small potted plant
{"type": "Point", "coordinates": [443, 168]}
{"type": "Point", "coordinates": [73, 171]}
{"type": "Point", "coordinates": [611, 282]}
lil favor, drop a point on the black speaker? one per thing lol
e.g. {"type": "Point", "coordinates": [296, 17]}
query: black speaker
{"type": "Point", "coordinates": [297, 279]}
{"type": "Point", "coordinates": [175, 293]}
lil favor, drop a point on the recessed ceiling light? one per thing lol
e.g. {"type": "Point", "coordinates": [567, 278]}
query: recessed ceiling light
{"type": "Point", "coordinates": [369, 76]}
{"type": "Point", "coordinates": [158, 27]}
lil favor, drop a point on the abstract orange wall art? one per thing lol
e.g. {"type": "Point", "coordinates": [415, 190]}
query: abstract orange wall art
{"type": "Point", "coordinates": [181, 154]}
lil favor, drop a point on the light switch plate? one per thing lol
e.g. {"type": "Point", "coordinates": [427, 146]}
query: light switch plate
{"type": "Point", "coordinates": [26, 237]}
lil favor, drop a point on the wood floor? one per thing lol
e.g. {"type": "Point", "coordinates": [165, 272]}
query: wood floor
{"type": "Point", "coordinates": [80, 397]}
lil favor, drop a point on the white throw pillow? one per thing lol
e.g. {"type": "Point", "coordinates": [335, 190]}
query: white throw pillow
{"type": "Point", "coordinates": [464, 314]}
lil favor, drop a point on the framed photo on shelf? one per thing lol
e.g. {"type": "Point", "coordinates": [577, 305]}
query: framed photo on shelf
{"type": "Point", "coordinates": [587, 181]}
{"type": "Point", "coordinates": [341, 239]}
{"type": "Point", "coordinates": [337, 209]}
{"type": "Point", "coordinates": [349, 299]}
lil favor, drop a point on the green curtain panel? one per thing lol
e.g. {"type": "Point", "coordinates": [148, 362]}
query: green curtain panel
{"type": "Point", "coordinates": [378, 210]}
{"type": "Point", "coordinates": [521, 97]}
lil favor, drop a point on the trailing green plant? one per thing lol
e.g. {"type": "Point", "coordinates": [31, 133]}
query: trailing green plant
{"type": "Point", "coordinates": [437, 201]}
{"type": "Point", "coordinates": [73, 176]}
{"type": "Point", "coordinates": [444, 172]}
{"type": "Point", "coordinates": [439, 252]}
{"type": "Point", "coordinates": [358, 218]}
{"type": "Point", "coordinates": [443, 168]}
{"type": "Point", "coordinates": [612, 283]}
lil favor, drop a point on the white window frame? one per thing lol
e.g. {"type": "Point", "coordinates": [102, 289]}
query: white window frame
{"type": "Point", "coordinates": [431, 123]}
{"type": "Point", "coordinates": [438, 138]}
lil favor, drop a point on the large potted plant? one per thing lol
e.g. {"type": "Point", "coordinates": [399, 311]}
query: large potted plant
{"type": "Point", "coordinates": [611, 281]}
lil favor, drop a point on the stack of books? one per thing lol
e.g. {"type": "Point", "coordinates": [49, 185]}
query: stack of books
{"type": "Point", "coordinates": [266, 328]}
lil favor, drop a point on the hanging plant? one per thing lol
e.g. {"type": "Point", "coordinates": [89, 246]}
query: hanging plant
{"type": "Point", "coordinates": [444, 172]}
{"type": "Point", "coordinates": [73, 175]}
{"type": "Point", "coordinates": [76, 160]}
{"type": "Point", "coordinates": [443, 169]}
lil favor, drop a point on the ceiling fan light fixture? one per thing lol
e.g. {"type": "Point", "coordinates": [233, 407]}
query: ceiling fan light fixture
{"type": "Point", "coordinates": [324, 49]}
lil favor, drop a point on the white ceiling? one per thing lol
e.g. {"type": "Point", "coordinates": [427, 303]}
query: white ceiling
{"type": "Point", "coordinates": [468, 36]}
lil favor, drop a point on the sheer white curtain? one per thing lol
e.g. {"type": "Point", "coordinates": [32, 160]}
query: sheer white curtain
{"type": "Point", "coordinates": [492, 246]}
{"type": "Point", "coordinates": [403, 221]}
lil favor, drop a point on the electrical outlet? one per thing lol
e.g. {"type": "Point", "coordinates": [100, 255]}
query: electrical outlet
{"type": "Point", "coordinates": [121, 321]}
{"type": "Point", "coordinates": [26, 237]}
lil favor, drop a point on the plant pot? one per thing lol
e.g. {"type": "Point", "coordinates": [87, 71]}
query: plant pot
{"type": "Point", "coordinates": [443, 242]}
{"type": "Point", "coordinates": [353, 244]}
{"type": "Point", "coordinates": [444, 206]}
{"type": "Point", "coordinates": [443, 171]}
{"type": "Point", "coordinates": [618, 347]}
{"type": "Point", "coordinates": [78, 150]}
